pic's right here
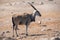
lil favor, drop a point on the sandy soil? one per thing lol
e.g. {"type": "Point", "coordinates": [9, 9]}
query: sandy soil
{"type": "Point", "coordinates": [50, 19]}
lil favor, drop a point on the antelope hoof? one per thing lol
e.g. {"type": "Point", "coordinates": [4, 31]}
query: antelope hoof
{"type": "Point", "coordinates": [26, 34]}
{"type": "Point", "coordinates": [17, 36]}
{"type": "Point", "coordinates": [13, 36]}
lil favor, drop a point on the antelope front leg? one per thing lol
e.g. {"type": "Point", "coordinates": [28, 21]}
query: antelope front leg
{"type": "Point", "coordinates": [16, 31]}
{"type": "Point", "coordinates": [26, 30]}
{"type": "Point", "coordinates": [13, 29]}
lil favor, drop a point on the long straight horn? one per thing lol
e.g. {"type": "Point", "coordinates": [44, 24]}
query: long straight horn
{"type": "Point", "coordinates": [32, 6]}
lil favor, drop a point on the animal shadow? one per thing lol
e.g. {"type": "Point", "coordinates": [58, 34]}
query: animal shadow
{"type": "Point", "coordinates": [37, 35]}
{"type": "Point", "coordinates": [34, 34]}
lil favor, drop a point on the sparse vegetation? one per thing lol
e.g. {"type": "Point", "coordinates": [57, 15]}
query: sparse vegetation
{"type": "Point", "coordinates": [57, 39]}
{"type": "Point", "coordinates": [7, 31]}
{"type": "Point", "coordinates": [41, 3]}
{"type": "Point", "coordinates": [50, 0]}
{"type": "Point", "coordinates": [33, 2]}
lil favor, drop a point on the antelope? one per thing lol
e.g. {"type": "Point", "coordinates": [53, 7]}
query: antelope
{"type": "Point", "coordinates": [25, 19]}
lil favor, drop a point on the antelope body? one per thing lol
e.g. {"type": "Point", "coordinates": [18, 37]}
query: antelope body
{"type": "Point", "coordinates": [24, 19]}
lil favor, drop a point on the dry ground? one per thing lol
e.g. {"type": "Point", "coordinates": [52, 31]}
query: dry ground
{"type": "Point", "coordinates": [50, 20]}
